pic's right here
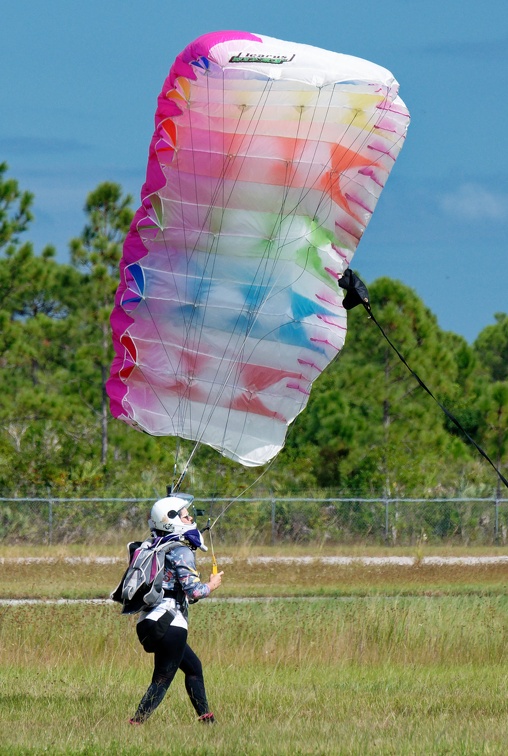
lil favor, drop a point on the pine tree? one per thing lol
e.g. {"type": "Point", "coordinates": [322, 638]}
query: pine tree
{"type": "Point", "coordinates": [15, 209]}
{"type": "Point", "coordinates": [96, 253]}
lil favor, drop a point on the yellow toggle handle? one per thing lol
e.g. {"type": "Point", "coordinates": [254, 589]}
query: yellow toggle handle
{"type": "Point", "coordinates": [215, 569]}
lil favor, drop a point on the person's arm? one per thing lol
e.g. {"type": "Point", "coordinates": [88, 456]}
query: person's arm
{"type": "Point", "coordinates": [188, 577]}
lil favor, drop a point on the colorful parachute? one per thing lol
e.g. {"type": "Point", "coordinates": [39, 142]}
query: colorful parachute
{"type": "Point", "coordinates": [266, 164]}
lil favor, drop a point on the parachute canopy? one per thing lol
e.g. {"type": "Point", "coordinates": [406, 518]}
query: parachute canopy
{"type": "Point", "coordinates": [266, 164]}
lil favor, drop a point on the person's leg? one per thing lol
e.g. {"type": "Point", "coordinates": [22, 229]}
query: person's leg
{"type": "Point", "coordinates": [167, 660]}
{"type": "Point", "coordinates": [195, 684]}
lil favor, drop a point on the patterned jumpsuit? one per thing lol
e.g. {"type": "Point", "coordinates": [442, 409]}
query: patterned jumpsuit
{"type": "Point", "coordinates": [172, 652]}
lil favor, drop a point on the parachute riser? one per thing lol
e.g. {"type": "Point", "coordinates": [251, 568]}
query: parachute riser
{"type": "Point", "coordinates": [357, 293]}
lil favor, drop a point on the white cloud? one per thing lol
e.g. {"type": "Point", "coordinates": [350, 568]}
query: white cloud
{"type": "Point", "coordinates": [474, 202]}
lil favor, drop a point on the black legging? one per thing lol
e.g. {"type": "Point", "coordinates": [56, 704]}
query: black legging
{"type": "Point", "coordinates": [173, 653]}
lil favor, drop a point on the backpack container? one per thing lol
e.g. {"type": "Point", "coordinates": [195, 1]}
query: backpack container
{"type": "Point", "coordinates": [140, 588]}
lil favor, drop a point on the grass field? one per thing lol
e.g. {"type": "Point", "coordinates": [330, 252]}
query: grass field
{"type": "Point", "coordinates": [345, 660]}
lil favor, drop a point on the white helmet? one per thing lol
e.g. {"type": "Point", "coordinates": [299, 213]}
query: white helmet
{"type": "Point", "coordinates": [165, 516]}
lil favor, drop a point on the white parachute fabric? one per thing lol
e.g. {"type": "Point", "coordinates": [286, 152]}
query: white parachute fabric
{"type": "Point", "coordinates": [266, 164]}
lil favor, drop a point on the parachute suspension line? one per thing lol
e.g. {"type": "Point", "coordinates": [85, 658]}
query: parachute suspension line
{"type": "Point", "coordinates": [264, 262]}
{"type": "Point", "coordinates": [254, 310]}
{"type": "Point", "coordinates": [218, 189]}
{"type": "Point", "coordinates": [236, 498]}
{"type": "Point", "coordinates": [157, 330]}
{"type": "Point", "coordinates": [239, 347]}
{"type": "Point", "coordinates": [355, 147]}
{"type": "Point", "coordinates": [209, 255]}
{"type": "Point", "coordinates": [175, 463]}
{"type": "Point", "coordinates": [214, 298]}
{"type": "Point", "coordinates": [185, 400]}
{"type": "Point", "coordinates": [188, 326]}
{"type": "Point", "coordinates": [179, 482]}
{"type": "Point", "coordinates": [305, 192]}
{"type": "Point", "coordinates": [282, 215]}
{"type": "Point", "coordinates": [448, 414]}
{"type": "Point", "coordinates": [219, 184]}
{"type": "Point", "coordinates": [267, 262]}
{"type": "Point", "coordinates": [290, 213]}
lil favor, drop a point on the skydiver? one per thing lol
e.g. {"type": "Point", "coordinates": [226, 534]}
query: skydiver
{"type": "Point", "coordinates": [181, 585]}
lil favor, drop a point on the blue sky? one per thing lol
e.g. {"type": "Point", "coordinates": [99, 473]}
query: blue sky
{"type": "Point", "coordinates": [79, 82]}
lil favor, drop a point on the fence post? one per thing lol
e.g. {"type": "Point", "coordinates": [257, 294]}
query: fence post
{"type": "Point", "coordinates": [50, 521]}
{"type": "Point", "coordinates": [496, 520]}
{"type": "Point", "coordinates": [387, 520]}
{"type": "Point", "coordinates": [273, 522]}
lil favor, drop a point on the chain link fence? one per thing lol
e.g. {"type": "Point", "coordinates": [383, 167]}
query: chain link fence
{"type": "Point", "coordinates": [397, 522]}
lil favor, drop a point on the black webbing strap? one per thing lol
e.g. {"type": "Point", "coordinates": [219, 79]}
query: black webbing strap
{"type": "Point", "coordinates": [446, 411]}
{"type": "Point", "coordinates": [356, 293]}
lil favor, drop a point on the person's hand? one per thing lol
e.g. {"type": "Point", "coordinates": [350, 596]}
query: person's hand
{"type": "Point", "coordinates": [215, 580]}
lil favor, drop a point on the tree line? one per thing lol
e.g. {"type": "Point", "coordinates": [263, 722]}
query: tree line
{"type": "Point", "coordinates": [369, 428]}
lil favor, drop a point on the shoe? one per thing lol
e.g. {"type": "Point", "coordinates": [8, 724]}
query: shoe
{"type": "Point", "coordinates": [207, 718]}
{"type": "Point", "coordinates": [134, 721]}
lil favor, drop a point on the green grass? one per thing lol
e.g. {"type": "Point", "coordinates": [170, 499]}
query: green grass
{"type": "Point", "coordinates": [367, 670]}
{"type": "Point", "coordinates": [248, 577]}
{"type": "Point", "coordinates": [319, 710]}
{"type": "Point", "coordinates": [363, 676]}
{"type": "Point", "coordinates": [115, 546]}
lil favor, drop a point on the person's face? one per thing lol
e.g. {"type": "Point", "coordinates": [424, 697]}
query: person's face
{"type": "Point", "coordinates": [185, 516]}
